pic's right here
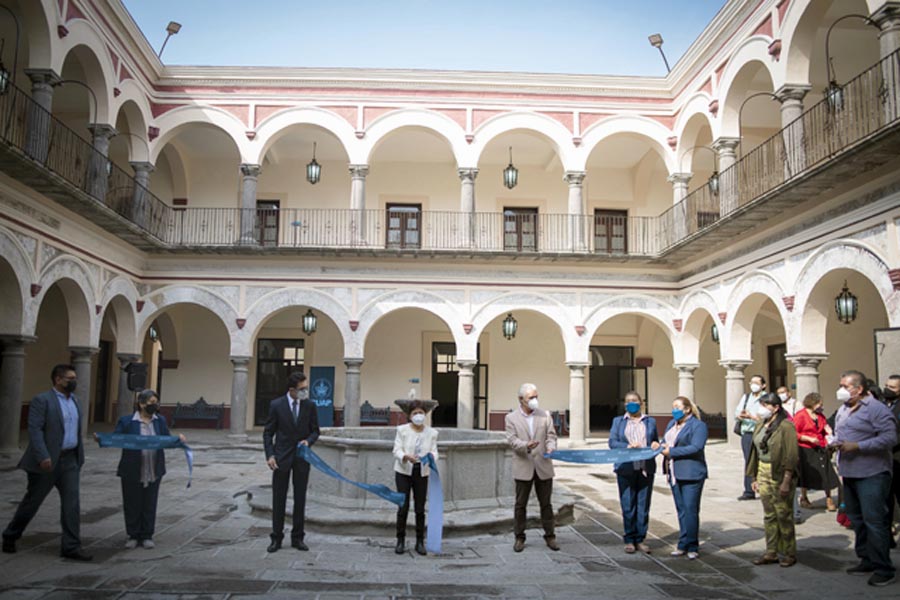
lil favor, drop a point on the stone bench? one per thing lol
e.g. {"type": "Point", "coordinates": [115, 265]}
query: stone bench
{"type": "Point", "coordinates": [200, 410]}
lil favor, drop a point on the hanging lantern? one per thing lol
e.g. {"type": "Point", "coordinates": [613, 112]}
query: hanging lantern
{"type": "Point", "coordinates": [510, 326]}
{"type": "Point", "coordinates": [153, 334]}
{"type": "Point", "coordinates": [510, 173]}
{"type": "Point", "coordinates": [5, 77]}
{"type": "Point", "coordinates": [713, 183]}
{"type": "Point", "coordinates": [846, 305]}
{"type": "Point", "coordinates": [313, 169]}
{"type": "Point", "coordinates": [714, 333]}
{"type": "Point", "coordinates": [309, 322]}
{"type": "Point", "coordinates": [835, 95]}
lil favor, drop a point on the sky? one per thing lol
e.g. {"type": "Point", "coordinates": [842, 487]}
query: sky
{"type": "Point", "coordinates": [602, 37]}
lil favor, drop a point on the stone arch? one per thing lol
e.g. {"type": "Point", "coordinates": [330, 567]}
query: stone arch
{"type": "Point", "coordinates": [748, 296]}
{"type": "Point", "coordinates": [541, 304]}
{"type": "Point", "coordinates": [732, 89]}
{"type": "Point", "coordinates": [653, 131]}
{"type": "Point", "coordinates": [176, 120]}
{"type": "Point", "coordinates": [798, 33]}
{"type": "Point", "coordinates": [694, 310]}
{"type": "Point", "coordinates": [689, 131]}
{"type": "Point", "coordinates": [273, 303]}
{"type": "Point", "coordinates": [632, 304]}
{"type": "Point", "coordinates": [272, 128]}
{"type": "Point", "coordinates": [395, 300]}
{"type": "Point", "coordinates": [137, 126]}
{"type": "Point", "coordinates": [74, 281]}
{"type": "Point", "coordinates": [160, 300]}
{"type": "Point", "coordinates": [14, 289]}
{"type": "Point", "coordinates": [386, 124]}
{"type": "Point", "coordinates": [120, 295]}
{"type": "Point", "coordinates": [553, 131]}
{"type": "Point", "coordinates": [85, 42]}
{"type": "Point", "coordinates": [39, 21]}
{"type": "Point", "coordinates": [168, 334]}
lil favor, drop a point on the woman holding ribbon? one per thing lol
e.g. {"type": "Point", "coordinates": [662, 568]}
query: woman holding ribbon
{"type": "Point", "coordinates": [141, 471]}
{"type": "Point", "coordinates": [684, 464]}
{"type": "Point", "coordinates": [634, 430]}
{"type": "Point", "coordinates": [413, 442]}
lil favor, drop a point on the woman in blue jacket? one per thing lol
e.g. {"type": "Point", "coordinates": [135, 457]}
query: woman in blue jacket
{"type": "Point", "coordinates": [634, 430]}
{"type": "Point", "coordinates": [141, 471]}
{"type": "Point", "coordinates": [685, 467]}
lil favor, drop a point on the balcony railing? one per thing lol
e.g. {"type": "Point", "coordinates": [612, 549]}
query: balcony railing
{"type": "Point", "coordinates": [868, 104]}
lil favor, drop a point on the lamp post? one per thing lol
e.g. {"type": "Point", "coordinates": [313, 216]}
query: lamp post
{"type": "Point", "coordinates": [713, 181]}
{"type": "Point", "coordinates": [171, 29]}
{"type": "Point", "coordinates": [5, 76]}
{"type": "Point", "coordinates": [656, 41]}
{"type": "Point", "coordinates": [834, 92]}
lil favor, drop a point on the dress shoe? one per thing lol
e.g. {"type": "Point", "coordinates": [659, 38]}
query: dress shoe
{"type": "Point", "coordinates": [275, 546]}
{"type": "Point", "coordinates": [519, 545]}
{"type": "Point", "coordinates": [744, 497]}
{"type": "Point", "coordinates": [766, 559]}
{"type": "Point", "coordinates": [551, 543]}
{"type": "Point", "coordinates": [861, 569]}
{"type": "Point", "coordinates": [879, 579]}
{"type": "Point", "coordinates": [78, 555]}
{"type": "Point", "coordinates": [401, 546]}
{"type": "Point", "coordinates": [788, 561]}
{"type": "Point", "coordinates": [9, 545]}
{"type": "Point", "coordinates": [420, 547]}
{"type": "Point", "coordinates": [300, 545]}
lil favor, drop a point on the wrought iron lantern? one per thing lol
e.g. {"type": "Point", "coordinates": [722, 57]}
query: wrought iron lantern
{"type": "Point", "coordinates": [714, 333]}
{"type": "Point", "coordinates": [510, 173]}
{"type": "Point", "coordinates": [846, 305]}
{"type": "Point", "coordinates": [5, 76]}
{"type": "Point", "coordinates": [313, 169]}
{"type": "Point", "coordinates": [713, 183]}
{"type": "Point", "coordinates": [153, 334]}
{"type": "Point", "coordinates": [510, 326]}
{"type": "Point", "coordinates": [834, 93]}
{"type": "Point", "coordinates": [309, 322]}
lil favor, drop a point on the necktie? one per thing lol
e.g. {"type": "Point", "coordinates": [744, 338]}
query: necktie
{"type": "Point", "coordinates": [296, 405]}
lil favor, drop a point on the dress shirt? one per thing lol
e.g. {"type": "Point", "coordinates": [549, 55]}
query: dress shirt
{"type": "Point", "coordinates": [148, 457]}
{"type": "Point", "coordinates": [874, 428]}
{"type": "Point", "coordinates": [530, 419]}
{"type": "Point", "coordinates": [70, 420]}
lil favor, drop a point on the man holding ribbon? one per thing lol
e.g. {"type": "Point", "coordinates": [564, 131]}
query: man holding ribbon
{"type": "Point", "coordinates": [530, 434]}
{"type": "Point", "coordinates": [292, 421]}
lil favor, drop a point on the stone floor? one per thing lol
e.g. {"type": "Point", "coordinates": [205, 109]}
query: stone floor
{"type": "Point", "coordinates": [210, 545]}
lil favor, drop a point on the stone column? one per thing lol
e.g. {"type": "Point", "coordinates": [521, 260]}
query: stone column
{"type": "Point", "coordinates": [465, 412]}
{"type": "Point", "coordinates": [806, 373]}
{"type": "Point", "coordinates": [467, 205]}
{"type": "Point", "coordinates": [793, 135]}
{"type": "Point", "coordinates": [358, 203]}
{"type": "Point", "coordinates": [576, 229]}
{"type": "Point", "coordinates": [97, 176]}
{"type": "Point", "coordinates": [37, 116]}
{"type": "Point", "coordinates": [126, 396]}
{"type": "Point", "coordinates": [734, 389]}
{"type": "Point", "coordinates": [249, 180]}
{"type": "Point", "coordinates": [139, 197]}
{"type": "Point", "coordinates": [82, 360]}
{"type": "Point", "coordinates": [352, 392]}
{"type": "Point", "coordinates": [686, 379]}
{"type": "Point", "coordinates": [726, 147]}
{"type": "Point", "coordinates": [239, 391]}
{"type": "Point", "coordinates": [12, 377]}
{"type": "Point", "coordinates": [680, 226]}
{"type": "Point", "coordinates": [887, 17]}
{"type": "Point", "coordinates": [577, 422]}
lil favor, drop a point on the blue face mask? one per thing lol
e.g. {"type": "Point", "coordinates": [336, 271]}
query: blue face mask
{"type": "Point", "coordinates": [633, 407]}
{"type": "Point", "coordinates": [677, 414]}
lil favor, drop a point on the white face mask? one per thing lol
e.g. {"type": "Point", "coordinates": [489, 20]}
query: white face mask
{"type": "Point", "coordinates": [418, 419]}
{"type": "Point", "coordinates": [533, 404]}
{"type": "Point", "coordinates": [755, 388]}
{"type": "Point", "coordinates": [842, 395]}
{"type": "Point", "coordinates": [783, 397]}
{"type": "Point", "coordinates": [764, 413]}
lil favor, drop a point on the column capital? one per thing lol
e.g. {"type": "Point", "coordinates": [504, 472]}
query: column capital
{"type": "Point", "coordinates": [43, 76]}
{"type": "Point", "coordinates": [102, 130]}
{"type": "Point", "coordinates": [359, 171]}
{"type": "Point", "coordinates": [680, 178]}
{"type": "Point", "coordinates": [687, 368]}
{"type": "Point", "coordinates": [125, 358]}
{"type": "Point", "coordinates": [465, 175]}
{"type": "Point", "coordinates": [240, 361]}
{"type": "Point", "coordinates": [249, 170]}
{"type": "Point", "coordinates": [575, 367]}
{"type": "Point", "coordinates": [18, 341]}
{"type": "Point", "coordinates": [466, 365]}
{"type": "Point", "coordinates": [725, 145]}
{"type": "Point", "coordinates": [886, 16]}
{"type": "Point", "coordinates": [83, 351]}
{"type": "Point", "coordinates": [142, 166]}
{"type": "Point", "coordinates": [806, 360]}
{"type": "Point", "coordinates": [792, 91]}
{"type": "Point", "coordinates": [353, 363]}
{"type": "Point", "coordinates": [574, 177]}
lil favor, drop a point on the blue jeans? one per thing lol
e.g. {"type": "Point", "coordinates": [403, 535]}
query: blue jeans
{"type": "Point", "coordinates": [635, 490]}
{"type": "Point", "coordinates": [687, 504]}
{"type": "Point", "coordinates": [866, 501]}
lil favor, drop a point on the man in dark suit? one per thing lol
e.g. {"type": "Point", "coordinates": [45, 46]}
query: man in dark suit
{"type": "Point", "coordinates": [53, 458]}
{"type": "Point", "coordinates": [292, 421]}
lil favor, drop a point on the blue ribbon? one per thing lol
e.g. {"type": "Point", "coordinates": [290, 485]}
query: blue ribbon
{"type": "Point", "coordinates": [602, 457]}
{"type": "Point", "coordinates": [131, 441]}
{"type": "Point", "coordinates": [383, 491]}
{"type": "Point", "coordinates": [435, 506]}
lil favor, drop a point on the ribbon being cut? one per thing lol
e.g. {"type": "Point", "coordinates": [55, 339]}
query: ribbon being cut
{"type": "Point", "coordinates": [603, 457]}
{"type": "Point", "coordinates": [382, 491]}
{"type": "Point", "coordinates": [130, 441]}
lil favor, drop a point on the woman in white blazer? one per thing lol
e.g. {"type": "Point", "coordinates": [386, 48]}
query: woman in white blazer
{"type": "Point", "coordinates": [414, 441]}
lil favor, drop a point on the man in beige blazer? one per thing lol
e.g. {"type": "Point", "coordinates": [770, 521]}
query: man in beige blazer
{"type": "Point", "coordinates": [530, 433]}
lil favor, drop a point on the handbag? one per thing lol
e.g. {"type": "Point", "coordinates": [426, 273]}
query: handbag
{"type": "Point", "coordinates": [738, 423]}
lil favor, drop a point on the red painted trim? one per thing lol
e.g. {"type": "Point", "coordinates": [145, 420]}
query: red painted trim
{"type": "Point", "coordinates": [677, 323]}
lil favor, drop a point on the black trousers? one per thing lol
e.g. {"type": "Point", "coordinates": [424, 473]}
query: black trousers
{"type": "Point", "coordinates": [419, 487]}
{"type": "Point", "coordinates": [746, 444]}
{"type": "Point", "coordinates": [281, 478]}
{"type": "Point", "coordinates": [65, 477]}
{"type": "Point", "coordinates": [139, 506]}
{"type": "Point", "coordinates": [543, 488]}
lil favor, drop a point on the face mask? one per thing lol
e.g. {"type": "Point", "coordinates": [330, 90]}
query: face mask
{"type": "Point", "coordinates": [633, 407]}
{"type": "Point", "coordinates": [842, 395]}
{"type": "Point", "coordinates": [303, 394]}
{"type": "Point", "coordinates": [889, 394]}
{"type": "Point", "coordinates": [533, 404]}
{"type": "Point", "coordinates": [151, 409]}
{"type": "Point", "coordinates": [764, 413]}
{"type": "Point", "coordinates": [70, 386]}
{"type": "Point", "coordinates": [677, 414]}
{"type": "Point", "coordinates": [755, 388]}
{"type": "Point", "coordinates": [783, 397]}
{"type": "Point", "coordinates": [819, 410]}
{"type": "Point", "coordinates": [418, 418]}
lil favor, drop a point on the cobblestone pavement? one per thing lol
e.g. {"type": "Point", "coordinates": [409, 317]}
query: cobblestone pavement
{"type": "Point", "coordinates": [209, 545]}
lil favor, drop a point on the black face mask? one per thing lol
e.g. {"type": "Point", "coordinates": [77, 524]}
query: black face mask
{"type": "Point", "coordinates": [70, 386]}
{"type": "Point", "coordinates": [889, 394]}
{"type": "Point", "coordinates": [151, 409]}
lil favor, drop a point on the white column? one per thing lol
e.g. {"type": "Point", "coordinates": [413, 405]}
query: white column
{"type": "Point", "coordinates": [680, 225]}
{"type": "Point", "coordinates": [352, 392]}
{"type": "Point", "coordinates": [82, 360]}
{"type": "Point", "coordinates": [125, 397]}
{"type": "Point", "coordinates": [358, 203]}
{"type": "Point", "coordinates": [249, 181]}
{"type": "Point", "coordinates": [577, 423]}
{"type": "Point", "coordinates": [97, 177]}
{"type": "Point", "coordinates": [726, 147]}
{"type": "Point", "coordinates": [686, 379]}
{"type": "Point", "coordinates": [467, 205]}
{"type": "Point", "coordinates": [576, 229]}
{"type": "Point", "coordinates": [239, 390]}
{"type": "Point", "coordinates": [734, 389]}
{"type": "Point", "coordinates": [806, 373]}
{"type": "Point", "coordinates": [465, 403]}
{"type": "Point", "coordinates": [12, 378]}
{"type": "Point", "coordinates": [793, 135]}
{"type": "Point", "coordinates": [37, 116]}
{"type": "Point", "coordinates": [887, 17]}
{"type": "Point", "coordinates": [139, 198]}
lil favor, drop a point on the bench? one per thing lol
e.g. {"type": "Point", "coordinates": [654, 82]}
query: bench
{"type": "Point", "coordinates": [369, 415]}
{"type": "Point", "coordinates": [200, 410]}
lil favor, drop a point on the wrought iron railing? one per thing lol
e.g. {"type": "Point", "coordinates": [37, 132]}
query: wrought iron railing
{"type": "Point", "coordinates": [868, 103]}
